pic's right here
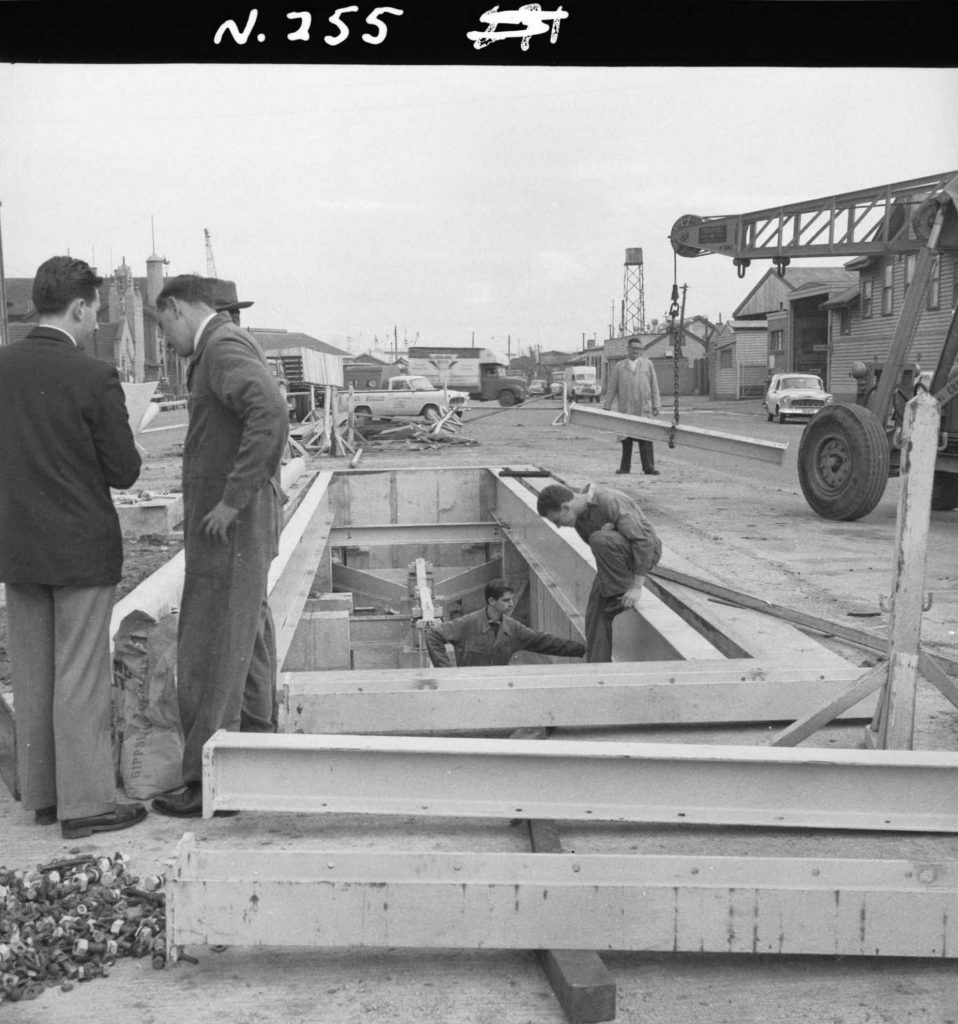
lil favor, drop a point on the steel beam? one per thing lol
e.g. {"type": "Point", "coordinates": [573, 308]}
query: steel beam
{"type": "Point", "coordinates": [692, 437]}
{"type": "Point", "coordinates": [369, 584]}
{"type": "Point", "coordinates": [357, 898]}
{"type": "Point", "coordinates": [385, 534]}
{"type": "Point", "coordinates": [468, 581]}
{"type": "Point", "coordinates": [694, 784]}
{"type": "Point", "coordinates": [562, 694]}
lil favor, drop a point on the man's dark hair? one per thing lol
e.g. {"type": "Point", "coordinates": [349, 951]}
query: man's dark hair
{"type": "Point", "coordinates": [552, 498]}
{"type": "Point", "coordinates": [187, 288]}
{"type": "Point", "coordinates": [496, 588]}
{"type": "Point", "coordinates": [60, 280]}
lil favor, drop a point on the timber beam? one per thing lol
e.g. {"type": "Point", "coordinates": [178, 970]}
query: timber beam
{"type": "Point", "coordinates": [357, 898]}
{"type": "Point", "coordinates": [693, 784]}
{"type": "Point", "coordinates": [562, 694]}
{"type": "Point", "coordinates": [692, 437]}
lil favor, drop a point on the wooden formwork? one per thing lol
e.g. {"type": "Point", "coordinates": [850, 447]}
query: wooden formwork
{"type": "Point", "coordinates": [342, 597]}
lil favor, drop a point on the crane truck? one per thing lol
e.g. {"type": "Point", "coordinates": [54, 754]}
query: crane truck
{"type": "Point", "coordinates": [849, 450]}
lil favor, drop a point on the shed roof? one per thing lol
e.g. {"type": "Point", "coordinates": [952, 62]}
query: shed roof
{"type": "Point", "coordinates": [273, 339]}
{"type": "Point", "coordinates": [772, 290]}
{"type": "Point", "coordinates": [845, 298]}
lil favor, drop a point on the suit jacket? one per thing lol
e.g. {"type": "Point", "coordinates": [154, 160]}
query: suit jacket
{"type": "Point", "coordinates": [65, 440]}
{"type": "Point", "coordinates": [239, 423]}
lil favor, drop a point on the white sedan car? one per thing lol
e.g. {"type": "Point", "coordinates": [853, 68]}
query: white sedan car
{"type": "Point", "coordinates": [795, 394]}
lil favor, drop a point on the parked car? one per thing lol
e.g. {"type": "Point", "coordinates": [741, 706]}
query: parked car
{"type": "Point", "coordinates": [538, 387]}
{"type": "Point", "coordinates": [795, 394]}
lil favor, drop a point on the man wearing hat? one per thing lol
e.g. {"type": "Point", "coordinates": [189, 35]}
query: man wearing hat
{"type": "Point", "coordinates": [232, 519]}
{"type": "Point", "coordinates": [225, 300]}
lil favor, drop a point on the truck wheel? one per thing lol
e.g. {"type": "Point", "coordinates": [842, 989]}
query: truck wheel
{"type": "Point", "coordinates": [781, 415]}
{"type": "Point", "coordinates": [771, 416]}
{"type": "Point", "coordinates": [363, 414]}
{"type": "Point", "coordinates": [944, 492]}
{"type": "Point", "coordinates": [843, 462]}
{"type": "Point", "coordinates": [431, 413]}
{"type": "Point", "coordinates": [507, 398]}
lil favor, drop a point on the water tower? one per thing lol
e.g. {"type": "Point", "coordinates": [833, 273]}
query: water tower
{"type": "Point", "coordinates": [633, 294]}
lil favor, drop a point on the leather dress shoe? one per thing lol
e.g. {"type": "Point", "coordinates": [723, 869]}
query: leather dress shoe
{"type": "Point", "coordinates": [651, 472]}
{"type": "Point", "coordinates": [183, 803]}
{"type": "Point", "coordinates": [45, 815]}
{"type": "Point", "coordinates": [621, 472]}
{"type": "Point", "coordinates": [124, 816]}
{"type": "Point", "coordinates": [186, 802]}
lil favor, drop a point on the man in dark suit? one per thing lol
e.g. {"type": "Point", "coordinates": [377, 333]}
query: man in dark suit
{"type": "Point", "coordinates": [232, 519]}
{"type": "Point", "coordinates": [65, 440]}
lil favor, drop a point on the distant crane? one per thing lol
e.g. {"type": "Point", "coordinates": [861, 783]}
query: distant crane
{"type": "Point", "coordinates": [210, 262]}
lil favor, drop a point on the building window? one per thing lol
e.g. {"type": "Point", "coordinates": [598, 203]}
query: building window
{"type": "Point", "coordinates": [777, 341]}
{"type": "Point", "coordinates": [887, 289]}
{"type": "Point", "coordinates": [845, 320]}
{"type": "Point", "coordinates": [725, 359]}
{"type": "Point", "coordinates": [934, 285]}
{"type": "Point", "coordinates": [910, 261]}
{"type": "Point", "coordinates": [866, 298]}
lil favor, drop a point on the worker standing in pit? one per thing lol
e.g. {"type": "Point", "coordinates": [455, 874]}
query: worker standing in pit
{"type": "Point", "coordinates": [490, 636]}
{"type": "Point", "coordinates": [625, 546]}
{"type": "Point", "coordinates": [232, 519]}
{"type": "Point", "coordinates": [634, 388]}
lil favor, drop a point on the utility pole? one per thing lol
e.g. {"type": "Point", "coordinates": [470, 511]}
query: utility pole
{"type": "Point", "coordinates": [4, 336]}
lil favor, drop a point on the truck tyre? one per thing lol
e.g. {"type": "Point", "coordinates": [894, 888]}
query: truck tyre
{"type": "Point", "coordinates": [781, 415]}
{"type": "Point", "coordinates": [363, 414]}
{"type": "Point", "coordinates": [430, 412]}
{"type": "Point", "coordinates": [944, 492]}
{"type": "Point", "coordinates": [843, 462]}
{"type": "Point", "coordinates": [507, 397]}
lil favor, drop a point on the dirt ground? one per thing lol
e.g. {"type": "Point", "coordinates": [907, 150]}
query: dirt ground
{"type": "Point", "coordinates": [746, 525]}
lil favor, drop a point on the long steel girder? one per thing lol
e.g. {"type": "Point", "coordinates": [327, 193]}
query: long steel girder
{"type": "Point", "coordinates": [358, 898]}
{"type": "Point", "coordinates": [564, 695]}
{"type": "Point", "coordinates": [779, 787]}
{"type": "Point", "coordinates": [692, 437]}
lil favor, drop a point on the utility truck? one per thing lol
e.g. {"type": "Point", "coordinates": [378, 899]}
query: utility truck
{"type": "Point", "coordinates": [582, 384]}
{"type": "Point", "coordinates": [479, 371]}
{"type": "Point", "coordinates": [905, 238]}
{"type": "Point", "coordinates": [408, 395]}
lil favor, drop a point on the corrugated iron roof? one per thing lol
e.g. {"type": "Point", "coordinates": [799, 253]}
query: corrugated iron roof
{"type": "Point", "coordinates": [273, 340]}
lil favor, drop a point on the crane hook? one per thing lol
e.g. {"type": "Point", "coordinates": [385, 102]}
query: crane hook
{"type": "Point", "coordinates": [741, 265]}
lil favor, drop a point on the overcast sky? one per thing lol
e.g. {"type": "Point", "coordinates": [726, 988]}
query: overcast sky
{"type": "Point", "coordinates": [448, 201]}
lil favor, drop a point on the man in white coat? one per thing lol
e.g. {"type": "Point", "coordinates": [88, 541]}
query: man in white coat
{"type": "Point", "coordinates": [634, 389]}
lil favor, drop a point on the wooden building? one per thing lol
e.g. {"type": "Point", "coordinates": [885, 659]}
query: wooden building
{"type": "Point", "coordinates": [862, 318]}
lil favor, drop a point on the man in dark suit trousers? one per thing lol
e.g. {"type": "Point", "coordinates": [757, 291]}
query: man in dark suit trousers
{"type": "Point", "coordinates": [232, 519]}
{"type": "Point", "coordinates": [65, 440]}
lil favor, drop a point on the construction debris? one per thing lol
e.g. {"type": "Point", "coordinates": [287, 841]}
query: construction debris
{"type": "Point", "coordinates": [71, 920]}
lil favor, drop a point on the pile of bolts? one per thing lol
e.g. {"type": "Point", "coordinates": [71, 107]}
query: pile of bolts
{"type": "Point", "coordinates": [71, 920]}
